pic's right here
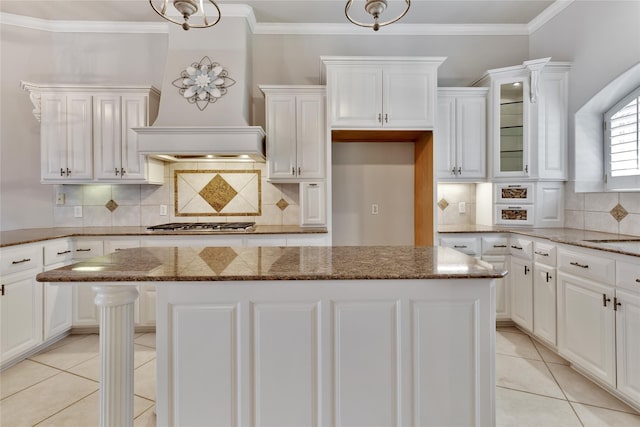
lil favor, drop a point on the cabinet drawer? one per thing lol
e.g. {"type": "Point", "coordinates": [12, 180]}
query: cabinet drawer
{"type": "Point", "coordinates": [495, 246]}
{"type": "Point", "coordinates": [591, 267]}
{"type": "Point", "coordinates": [544, 253]}
{"type": "Point", "coordinates": [514, 193]}
{"type": "Point", "coordinates": [628, 275]}
{"type": "Point", "coordinates": [84, 249]}
{"type": "Point", "coordinates": [20, 259]}
{"type": "Point", "coordinates": [522, 248]}
{"type": "Point", "coordinates": [57, 251]}
{"type": "Point", "coordinates": [514, 214]}
{"type": "Point", "coordinates": [467, 245]}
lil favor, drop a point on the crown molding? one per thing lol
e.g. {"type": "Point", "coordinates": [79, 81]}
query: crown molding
{"type": "Point", "coordinates": [547, 15]}
{"type": "Point", "coordinates": [393, 30]}
{"type": "Point", "coordinates": [245, 11]}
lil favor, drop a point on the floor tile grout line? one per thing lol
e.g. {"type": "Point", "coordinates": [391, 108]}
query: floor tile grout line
{"type": "Point", "coordinates": [519, 357]}
{"type": "Point", "coordinates": [68, 406]}
{"type": "Point", "coordinates": [32, 385]}
{"type": "Point", "coordinates": [637, 414]}
{"type": "Point", "coordinates": [530, 392]}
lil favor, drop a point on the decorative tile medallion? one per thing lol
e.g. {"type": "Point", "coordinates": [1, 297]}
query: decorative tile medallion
{"type": "Point", "coordinates": [442, 204]}
{"type": "Point", "coordinates": [618, 212]}
{"type": "Point", "coordinates": [282, 204]}
{"type": "Point", "coordinates": [111, 205]}
{"type": "Point", "coordinates": [217, 193]}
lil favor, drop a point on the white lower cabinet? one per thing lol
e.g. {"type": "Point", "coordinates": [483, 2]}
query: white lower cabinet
{"type": "Point", "coordinates": [502, 287]}
{"type": "Point", "coordinates": [85, 311]}
{"type": "Point", "coordinates": [58, 298]}
{"type": "Point", "coordinates": [146, 305]}
{"type": "Point", "coordinates": [544, 303]}
{"type": "Point", "coordinates": [521, 292]}
{"type": "Point", "coordinates": [20, 301]}
{"type": "Point", "coordinates": [312, 204]}
{"type": "Point", "coordinates": [21, 314]}
{"type": "Point", "coordinates": [627, 308]}
{"type": "Point", "coordinates": [586, 328]}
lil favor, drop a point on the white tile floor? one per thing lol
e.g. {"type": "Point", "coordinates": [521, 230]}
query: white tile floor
{"type": "Point", "coordinates": [534, 387]}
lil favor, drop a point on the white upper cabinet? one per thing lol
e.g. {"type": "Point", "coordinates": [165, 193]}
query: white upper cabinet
{"type": "Point", "coordinates": [66, 152]}
{"type": "Point", "coordinates": [86, 132]}
{"type": "Point", "coordinates": [528, 120]}
{"type": "Point", "coordinates": [460, 135]}
{"type": "Point", "coordinates": [296, 132]}
{"type": "Point", "coordinates": [381, 92]}
{"type": "Point", "coordinates": [115, 144]}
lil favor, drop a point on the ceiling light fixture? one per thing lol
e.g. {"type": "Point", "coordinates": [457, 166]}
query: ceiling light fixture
{"type": "Point", "coordinates": [186, 9]}
{"type": "Point", "coordinates": [375, 9]}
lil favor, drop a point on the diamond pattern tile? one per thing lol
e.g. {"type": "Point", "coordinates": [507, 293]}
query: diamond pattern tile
{"type": "Point", "coordinates": [282, 204]}
{"type": "Point", "coordinates": [442, 204]}
{"type": "Point", "coordinates": [618, 212]}
{"type": "Point", "coordinates": [218, 193]}
{"type": "Point", "coordinates": [111, 205]}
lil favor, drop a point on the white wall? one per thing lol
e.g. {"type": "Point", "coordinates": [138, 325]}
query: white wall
{"type": "Point", "coordinates": [366, 173]}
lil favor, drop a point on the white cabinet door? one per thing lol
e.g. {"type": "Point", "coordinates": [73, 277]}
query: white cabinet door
{"type": "Point", "coordinates": [281, 136]}
{"type": "Point", "coordinates": [311, 135]}
{"type": "Point", "coordinates": [408, 97]}
{"type": "Point", "coordinates": [552, 130]}
{"type": "Point", "coordinates": [356, 96]}
{"type": "Point", "coordinates": [66, 147]}
{"type": "Point", "coordinates": [134, 114]}
{"type": "Point", "coordinates": [111, 246]}
{"type": "Point", "coordinates": [107, 136]}
{"type": "Point", "coordinates": [628, 343]}
{"type": "Point", "coordinates": [147, 305]}
{"type": "Point", "coordinates": [296, 132]}
{"type": "Point", "coordinates": [20, 314]}
{"type": "Point", "coordinates": [586, 330]}
{"type": "Point", "coordinates": [445, 138]}
{"type": "Point", "coordinates": [312, 204]}
{"type": "Point", "coordinates": [544, 303]}
{"type": "Point", "coordinates": [58, 309]}
{"type": "Point", "coordinates": [471, 136]}
{"type": "Point", "coordinates": [503, 302]}
{"type": "Point", "coordinates": [521, 292]}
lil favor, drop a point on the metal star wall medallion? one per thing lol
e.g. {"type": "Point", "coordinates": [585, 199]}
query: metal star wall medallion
{"type": "Point", "coordinates": [203, 83]}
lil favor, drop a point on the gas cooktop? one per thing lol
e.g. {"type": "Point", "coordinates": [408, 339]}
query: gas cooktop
{"type": "Point", "coordinates": [204, 226]}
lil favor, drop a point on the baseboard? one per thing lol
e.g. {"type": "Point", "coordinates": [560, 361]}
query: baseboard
{"type": "Point", "coordinates": [19, 358]}
{"type": "Point", "coordinates": [81, 330]}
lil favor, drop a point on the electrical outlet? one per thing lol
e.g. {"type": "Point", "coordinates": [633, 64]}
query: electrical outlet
{"type": "Point", "coordinates": [77, 211]}
{"type": "Point", "coordinates": [374, 209]}
{"type": "Point", "coordinates": [60, 198]}
{"type": "Point", "coordinates": [163, 210]}
{"type": "Point", "coordinates": [462, 207]}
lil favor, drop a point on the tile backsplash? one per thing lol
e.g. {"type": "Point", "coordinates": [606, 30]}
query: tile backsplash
{"type": "Point", "coordinates": [448, 200]}
{"type": "Point", "coordinates": [607, 212]}
{"type": "Point", "coordinates": [139, 205]}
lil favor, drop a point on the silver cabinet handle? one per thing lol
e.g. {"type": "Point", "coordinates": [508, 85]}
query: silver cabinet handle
{"type": "Point", "coordinates": [579, 265]}
{"type": "Point", "coordinates": [21, 261]}
{"type": "Point", "coordinates": [63, 252]}
{"type": "Point", "coordinates": [541, 253]}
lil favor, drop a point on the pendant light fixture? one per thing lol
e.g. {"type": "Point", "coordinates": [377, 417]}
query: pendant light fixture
{"type": "Point", "coordinates": [188, 9]}
{"type": "Point", "coordinates": [375, 8]}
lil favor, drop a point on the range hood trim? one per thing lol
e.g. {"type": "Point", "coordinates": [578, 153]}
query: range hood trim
{"type": "Point", "coordinates": [164, 141]}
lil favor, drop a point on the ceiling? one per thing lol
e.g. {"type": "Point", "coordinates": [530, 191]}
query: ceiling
{"type": "Point", "coordinates": [426, 12]}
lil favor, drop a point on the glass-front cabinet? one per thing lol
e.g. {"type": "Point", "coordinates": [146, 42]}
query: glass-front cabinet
{"type": "Point", "coordinates": [512, 157]}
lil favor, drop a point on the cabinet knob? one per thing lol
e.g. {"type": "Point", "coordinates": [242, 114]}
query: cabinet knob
{"type": "Point", "coordinates": [293, 170]}
{"type": "Point", "coordinates": [117, 171]}
{"type": "Point", "coordinates": [459, 170]}
{"type": "Point", "coordinates": [386, 118]}
{"type": "Point", "coordinates": [68, 172]}
{"type": "Point", "coordinates": [526, 270]}
{"type": "Point", "coordinates": [379, 117]}
{"type": "Point", "coordinates": [122, 172]}
{"type": "Point", "coordinates": [605, 300]}
{"type": "Point", "coordinates": [299, 171]}
{"type": "Point", "coordinates": [453, 171]}
{"type": "Point", "coordinates": [526, 168]}
{"type": "Point", "coordinates": [61, 172]}
{"type": "Point", "coordinates": [2, 290]}
{"type": "Point", "coordinates": [616, 304]}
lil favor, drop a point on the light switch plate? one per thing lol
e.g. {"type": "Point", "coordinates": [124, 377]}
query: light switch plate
{"type": "Point", "coordinates": [163, 210]}
{"type": "Point", "coordinates": [462, 207]}
{"type": "Point", "coordinates": [374, 209]}
{"type": "Point", "coordinates": [60, 198]}
{"type": "Point", "coordinates": [77, 211]}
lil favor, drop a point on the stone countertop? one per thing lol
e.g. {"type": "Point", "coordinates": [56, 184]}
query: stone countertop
{"type": "Point", "coordinates": [32, 235]}
{"type": "Point", "coordinates": [274, 263]}
{"type": "Point", "coordinates": [584, 238]}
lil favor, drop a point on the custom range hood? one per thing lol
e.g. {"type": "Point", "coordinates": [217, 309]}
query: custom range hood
{"type": "Point", "coordinates": [184, 131]}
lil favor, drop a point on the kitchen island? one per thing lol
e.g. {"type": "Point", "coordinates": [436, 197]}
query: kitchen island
{"type": "Point", "coordinates": [300, 335]}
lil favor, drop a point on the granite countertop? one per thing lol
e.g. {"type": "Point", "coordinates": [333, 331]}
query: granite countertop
{"type": "Point", "coordinates": [274, 263]}
{"type": "Point", "coordinates": [31, 235]}
{"type": "Point", "coordinates": [617, 243]}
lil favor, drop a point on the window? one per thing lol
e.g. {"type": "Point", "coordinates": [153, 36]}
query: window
{"type": "Point", "coordinates": [622, 144]}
